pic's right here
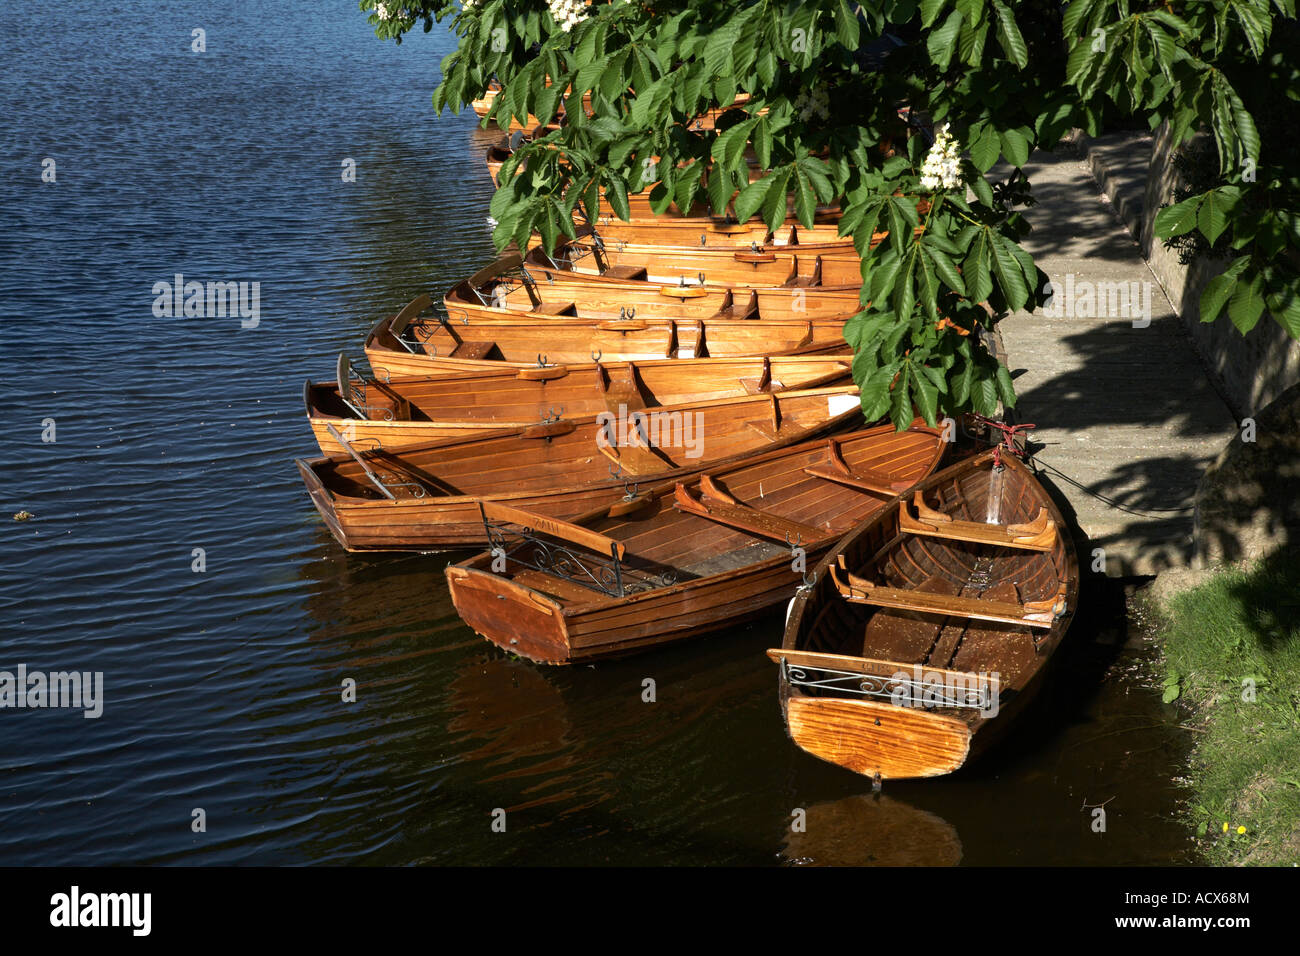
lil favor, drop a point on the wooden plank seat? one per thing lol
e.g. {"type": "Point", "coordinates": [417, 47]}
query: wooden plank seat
{"type": "Point", "coordinates": [622, 389]}
{"type": "Point", "coordinates": [716, 505]}
{"type": "Point", "coordinates": [1036, 535]}
{"type": "Point", "coordinates": [837, 469]}
{"type": "Point", "coordinates": [861, 591]}
{"type": "Point", "coordinates": [472, 350]}
{"type": "Point", "coordinates": [557, 308]}
{"type": "Point", "coordinates": [630, 273]}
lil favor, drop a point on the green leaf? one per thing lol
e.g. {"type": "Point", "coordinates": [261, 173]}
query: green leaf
{"type": "Point", "coordinates": [865, 227]}
{"type": "Point", "coordinates": [1006, 389]}
{"type": "Point", "coordinates": [775, 203]}
{"type": "Point", "coordinates": [925, 397]}
{"type": "Point", "coordinates": [975, 269]}
{"type": "Point", "coordinates": [616, 193]}
{"type": "Point", "coordinates": [874, 389]}
{"type": "Point", "coordinates": [984, 151]}
{"type": "Point", "coordinates": [984, 391]}
{"type": "Point", "coordinates": [719, 47]}
{"type": "Point", "coordinates": [1009, 35]}
{"type": "Point", "coordinates": [901, 411]}
{"type": "Point", "coordinates": [1177, 219]}
{"type": "Point", "coordinates": [805, 202]}
{"type": "Point", "coordinates": [729, 146]}
{"type": "Point", "coordinates": [1010, 277]}
{"type": "Point", "coordinates": [1218, 290]}
{"type": "Point", "coordinates": [1247, 304]}
{"type": "Point", "coordinates": [930, 10]}
{"type": "Point", "coordinates": [945, 268]}
{"type": "Point", "coordinates": [720, 190]}
{"type": "Point", "coordinates": [750, 198]}
{"type": "Point", "coordinates": [941, 43]}
{"type": "Point", "coordinates": [846, 25]}
{"type": "Point", "coordinates": [1212, 219]}
{"type": "Point", "coordinates": [762, 137]}
{"type": "Point", "coordinates": [1015, 146]}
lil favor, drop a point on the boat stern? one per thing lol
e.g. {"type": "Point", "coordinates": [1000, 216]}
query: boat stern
{"type": "Point", "coordinates": [871, 737]}
{"type": "Point", "coordinates": [515, 618]}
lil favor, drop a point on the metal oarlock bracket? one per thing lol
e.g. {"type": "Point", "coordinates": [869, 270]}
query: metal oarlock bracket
{"type": "Point", "coordinates": [541, 360]}
{"type": "Point", "coordinates": [629, 488]}
{"type": "Point", "coordinates": [596, 354]}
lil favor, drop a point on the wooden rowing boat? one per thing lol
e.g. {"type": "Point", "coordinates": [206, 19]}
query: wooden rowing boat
{"type": "Point", "coordinates": [507, 288]}
{"type": "Point", "coordinates": [426, 498]}
{"type": "Point", "coordinates": [720, 232]}
{"type": "Point", "coordinates": [689, 557]}
{"type": "Point", "coordinates": [797, 297]}
{"type": "Point", "coordinates": [830, 265]}
{"type": "Point", "coordinates": [483, 105]}
{"type": "Point", "coordinates": [416, 411]}
{"type": "Point", "coordinates": [930, 626]}
{"type": "Point", "coordinates": [416, 343]}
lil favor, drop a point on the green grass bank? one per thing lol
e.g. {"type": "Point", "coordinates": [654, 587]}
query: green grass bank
{"type": "Point", "coordinates": [1231, 658]}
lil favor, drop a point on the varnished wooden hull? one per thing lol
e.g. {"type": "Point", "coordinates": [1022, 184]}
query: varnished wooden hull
{"type": "Point", "coordinates": [522, 341]}
{"type": "Point", "coordinates": [550, 619]}
{"type": "Point", "coordinates": [893, 737]}
{"type": "Point", "coordinates": [558, 470]}
{"type": "Point", "coordinates": [713, 232]}
{"type": "Point", "coordinates": [413, 412]}
{"type": "Point", "coordinates": [798, 297]}
{"type": "Point", "coordinates": [801, 298]}
{"type": "Point", "coordinates": [832, 264]}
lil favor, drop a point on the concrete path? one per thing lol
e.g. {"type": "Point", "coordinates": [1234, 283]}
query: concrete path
{"type": "Point", "coordinates": [1126, 415]}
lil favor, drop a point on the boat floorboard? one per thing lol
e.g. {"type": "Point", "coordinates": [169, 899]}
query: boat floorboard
{"type": "Point", "coordinates": [733, 560]}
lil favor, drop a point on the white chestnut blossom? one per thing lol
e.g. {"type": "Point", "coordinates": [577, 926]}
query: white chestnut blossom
{"type": "Point", "coordinates": [814, 103]}
{"type": "Point", "coordinates": [567, 13]}
{"type": "Point", "coordinates": [391, 13]}
{"type": "Point", "coordinates": [942, 167]}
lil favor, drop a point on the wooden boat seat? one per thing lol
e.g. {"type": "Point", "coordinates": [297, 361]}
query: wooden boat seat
{"type": "Point", "coordinates": [861, 591]}
{"type": "Point", "coordinates": [557, 308]}
{"type": "Point", "coordinates": [1036, 535]}
{"type": "Point", "coordinates": [472, 350]}
{"type": "Point", "coordinates": [622, 389]}
{"type": "Point", "coordinates": [906, 635]}
{"type": "Point", "coordinates": [716, 505]}
{"type": "Point", "coordinates": [837, 469]}
{"type": "Point", "coordinates": [629, 273]}
{"type": "Point", "coordinates": [637, 459]}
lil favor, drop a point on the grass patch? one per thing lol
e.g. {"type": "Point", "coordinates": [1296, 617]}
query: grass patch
{"type": "Point", "coordinates": [1235, 637]}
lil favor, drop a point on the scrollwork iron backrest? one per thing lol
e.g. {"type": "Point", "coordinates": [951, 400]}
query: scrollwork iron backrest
{"type": "Point", "coordinates": [354, 390]}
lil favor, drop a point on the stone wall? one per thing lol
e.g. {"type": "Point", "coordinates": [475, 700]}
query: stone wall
{"type": "Point", "coordinates": [1252, 370]}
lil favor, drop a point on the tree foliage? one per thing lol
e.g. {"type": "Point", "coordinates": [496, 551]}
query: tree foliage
{"type": "Point", "coordinates": [1009, 76]}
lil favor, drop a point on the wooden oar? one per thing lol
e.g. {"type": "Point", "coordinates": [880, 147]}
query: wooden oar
{"type": "Point", "coordinates": [374, 479]}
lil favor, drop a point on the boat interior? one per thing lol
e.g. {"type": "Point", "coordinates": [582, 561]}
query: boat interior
{"type": "Point", "coordinates": [966, 575]}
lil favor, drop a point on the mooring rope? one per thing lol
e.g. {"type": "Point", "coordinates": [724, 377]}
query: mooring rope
{"type": "Point", "coordinates": [1141, 513]}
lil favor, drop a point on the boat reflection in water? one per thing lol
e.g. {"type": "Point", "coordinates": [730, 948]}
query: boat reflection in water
{"type": "Point", "coordinates": [871, 830]}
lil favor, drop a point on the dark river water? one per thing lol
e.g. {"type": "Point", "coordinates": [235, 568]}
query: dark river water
{"type": "Point", "coordinates": [222, 687]}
